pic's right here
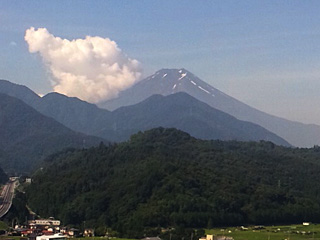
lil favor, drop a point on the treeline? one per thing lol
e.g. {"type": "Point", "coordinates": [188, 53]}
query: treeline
{"type": "Point", "coordinates": [165, 178]}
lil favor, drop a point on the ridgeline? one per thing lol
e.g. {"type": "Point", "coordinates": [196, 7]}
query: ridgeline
{"type": "Point", "coordinates": [165, 177]}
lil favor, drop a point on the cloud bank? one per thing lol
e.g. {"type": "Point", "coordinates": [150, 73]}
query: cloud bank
{"type": "Point", "coordinates": [93, 69]}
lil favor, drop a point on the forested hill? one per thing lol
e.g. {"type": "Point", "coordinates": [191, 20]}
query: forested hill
{"type": "Point", "coordinates": [164, 177]}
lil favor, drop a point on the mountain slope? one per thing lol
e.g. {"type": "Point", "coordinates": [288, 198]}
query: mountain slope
{"type": "Point", "coordinates": [169, 81]}
{"type": "Point", "coordinates": [27, 136]}
{"type": "Point", "coordinates": [73, 113]}
{"type": "Point", "coordinates": [19, 91]}
{"type": "Point", "coordinates": [164, 178]}
{"type": "Point", "coordinates": [186, 113]}
{"type": "Point", "coordinates": [181, 111]}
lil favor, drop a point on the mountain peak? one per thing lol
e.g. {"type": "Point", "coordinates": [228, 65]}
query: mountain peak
{"type": "Point", "coordinates": [19, 91]}
{"type": "Point", "coordinates": [169, 81]}
{"type": "Point", "coordinates": [171, 74]}
{"type": "Point", "coordinates": [164, 82]}
{"type": "Point", "coordinates": [167, 70]}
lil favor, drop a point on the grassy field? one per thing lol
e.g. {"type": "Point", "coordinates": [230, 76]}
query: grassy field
{"type": "Point", "coordinates": [292, 232]}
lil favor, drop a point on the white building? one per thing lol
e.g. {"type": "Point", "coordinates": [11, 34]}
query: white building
{"type": "Point", "coordinates": [45, 222]}
{"type": "Point", "coordinates": [57, 236]}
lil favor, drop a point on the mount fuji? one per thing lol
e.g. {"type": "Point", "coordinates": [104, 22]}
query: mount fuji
{"type": "Point", "coordinates": [170, 81]}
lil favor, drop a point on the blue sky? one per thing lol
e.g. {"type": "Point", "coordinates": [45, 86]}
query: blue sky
{"type": "Point", "coordinates": [264, 53]}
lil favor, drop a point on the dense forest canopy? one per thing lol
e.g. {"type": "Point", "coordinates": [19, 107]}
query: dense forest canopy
{"type": "Point", "coordinates": [166, 178]}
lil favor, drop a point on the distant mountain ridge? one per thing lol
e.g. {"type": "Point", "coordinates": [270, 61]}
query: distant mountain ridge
{"type": "Point", "coordinates": [188, 114]}
{"type": "Point", "coordinates": [19, 91]}
{"type": "Point", "coordinates": [71, 112]}
{"type": "Point", "coordinates": [169, 81]}
{"type": "Point", "coordinates": [28, 136]}
{"type": "Point", "coordinates": [180, 111]}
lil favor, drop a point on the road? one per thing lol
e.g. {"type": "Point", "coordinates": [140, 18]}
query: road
{"type": "Point", "coordinates": [6, 197]}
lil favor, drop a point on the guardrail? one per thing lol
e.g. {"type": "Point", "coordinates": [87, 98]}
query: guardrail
{"type": "Point", "coordinates": [9, 190]}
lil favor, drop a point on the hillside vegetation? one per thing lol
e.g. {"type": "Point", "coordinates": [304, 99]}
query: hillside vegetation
{"type": "Point", "coordinates": [165, 177]}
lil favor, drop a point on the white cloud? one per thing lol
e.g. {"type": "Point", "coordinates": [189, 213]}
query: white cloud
{"type": "Point", "coordinates": [13, 44]}
{"type": "Point", "coordinates": [93, 69]}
